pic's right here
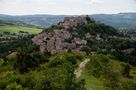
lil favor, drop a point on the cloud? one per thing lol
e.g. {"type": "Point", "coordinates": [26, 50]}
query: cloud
{"type": "Point", "coordinates": [97, 1]}
{"type": "Point", "coordinates": [100, 1]}
{"type": "Point", "coordinates": [21, 7]}
{"type": "Point", "coordinates": [87, 1]}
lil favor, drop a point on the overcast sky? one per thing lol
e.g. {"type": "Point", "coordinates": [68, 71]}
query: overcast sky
{"type": "Point", "coordinates": [63, 7]}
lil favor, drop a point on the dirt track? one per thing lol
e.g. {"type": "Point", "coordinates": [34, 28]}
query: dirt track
{"type": "Point", "coordinates": [78, 71]}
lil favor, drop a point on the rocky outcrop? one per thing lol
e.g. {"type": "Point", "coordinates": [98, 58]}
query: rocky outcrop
{"type": "Point", "coordinates": [61, 39]}
{"type": "Point", "coordinates": [129, 50]}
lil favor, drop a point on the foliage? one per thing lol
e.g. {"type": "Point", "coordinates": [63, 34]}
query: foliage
{"type": "Point", "coordinates": [41, 71]}
{"type": "Point", "coordinates": [109, 67]}
{"type": "Point", "coordinates": [1, 62]}
{"type": "Point", "coordinates": [114, 74]}
{"type": "Point", "coordinates": [94, 28]}
{"type": "Point", "coordinates": [13, 45]}
{"type": "Point", "coordinates": [26, 60]}
{"type": "Point", "coordinates": [126, 71]}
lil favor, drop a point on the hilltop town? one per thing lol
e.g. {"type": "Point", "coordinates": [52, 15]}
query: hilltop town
{"type": "Point", "coordinates": [57, 40]}
{"type": "Point", "coordinates": [65, 35]}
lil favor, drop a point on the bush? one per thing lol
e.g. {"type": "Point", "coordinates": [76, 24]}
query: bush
{"type": "Point", "coordinates": [29, 61]}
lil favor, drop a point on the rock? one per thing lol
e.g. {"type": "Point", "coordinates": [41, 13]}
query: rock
{"type": "Point", "coordinates": [98, 37]}
{"type": "Point", "coordinates": [87, 35]}
{"type": "Point", "coordinates": [80, 41]}
{"type": "Point", "coordinates": [129, 50]}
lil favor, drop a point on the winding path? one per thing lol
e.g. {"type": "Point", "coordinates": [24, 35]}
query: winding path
{"type": "Point", "coordinates": [78, 71]}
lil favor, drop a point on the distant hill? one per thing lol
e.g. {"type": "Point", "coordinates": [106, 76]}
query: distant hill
{"type": "Point", "coordinates": [119, 21]}
{"type": "Point", "coordinates": [35, 20]}
{"type": "Point", "coordinates": [4, 22]}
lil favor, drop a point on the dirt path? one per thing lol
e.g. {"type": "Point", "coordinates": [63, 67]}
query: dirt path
{"type": "Point", "coordinates": [78, 71]}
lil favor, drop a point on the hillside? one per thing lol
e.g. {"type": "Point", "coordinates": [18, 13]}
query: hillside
{"type": "Point", "coordinates": [77, 53]}
{"type": "Point", "coordinates": [74, 33]}
{"type": "Point", "coordinates": [85, 34]}
{"type": "Point", "coordinates": [14, 26]}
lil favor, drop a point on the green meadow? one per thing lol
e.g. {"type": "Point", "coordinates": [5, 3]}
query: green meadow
{"type": "Point", "coordinates": [14, 29]}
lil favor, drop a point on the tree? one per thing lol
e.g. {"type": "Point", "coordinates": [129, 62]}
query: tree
{"type": "Point", "coordinates": [86, 49]}
{"type": "Point", "coordinates": [113, 80]}
{"type": "Point", "coordinates": [126, 71]}
{"type": "Point", "coordinates": [88, 18]}
{"type": "Point", "coordinates": [27, 61]}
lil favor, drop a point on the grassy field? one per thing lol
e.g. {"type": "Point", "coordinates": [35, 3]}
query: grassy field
{"type": "Point", "coordinates": [14, 29]}
{"type": "Point", "coordinates": [92, 83]}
